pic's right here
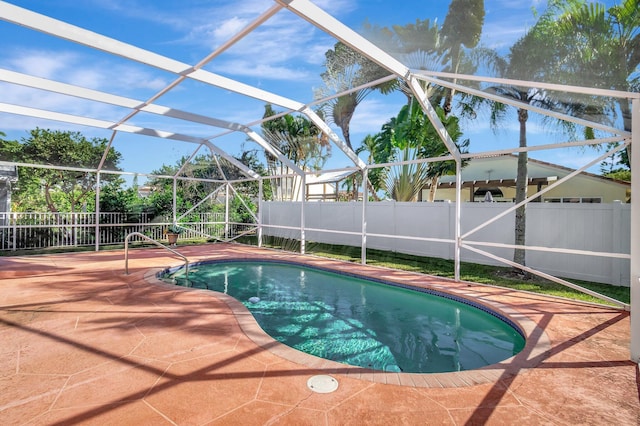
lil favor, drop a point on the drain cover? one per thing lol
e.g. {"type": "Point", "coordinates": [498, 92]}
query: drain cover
{"type": "Point", "coordinates": [322, 384]}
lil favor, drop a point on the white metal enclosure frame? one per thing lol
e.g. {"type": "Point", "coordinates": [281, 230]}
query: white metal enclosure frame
{"type": "Point", "coordinates": [311, 13]}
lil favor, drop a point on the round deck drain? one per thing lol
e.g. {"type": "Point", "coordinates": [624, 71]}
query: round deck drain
{"type": "Point", "coordinates": [322, 383]}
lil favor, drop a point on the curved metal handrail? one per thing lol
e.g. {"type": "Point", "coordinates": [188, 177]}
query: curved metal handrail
{"type": "Point", "coordinates": [126, 252]}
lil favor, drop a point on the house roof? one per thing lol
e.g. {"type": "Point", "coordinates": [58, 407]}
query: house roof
{"type": "Point", "coordinates": [328, 177]}
{"type": "Point", "coordinates": [502, 169]}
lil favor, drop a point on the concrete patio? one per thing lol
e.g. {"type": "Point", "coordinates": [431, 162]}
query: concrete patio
{"type": "Point", "coordinates": [83, 343]}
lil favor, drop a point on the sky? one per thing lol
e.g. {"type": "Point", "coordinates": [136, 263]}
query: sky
{"type": "Point", "coordinates": [284, 56]}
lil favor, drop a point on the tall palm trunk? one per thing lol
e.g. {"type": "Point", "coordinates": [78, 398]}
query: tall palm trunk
{"type": "Point", "coordinates": [521, 190]}
{"type": "Point", "coordinates": [433, 188]}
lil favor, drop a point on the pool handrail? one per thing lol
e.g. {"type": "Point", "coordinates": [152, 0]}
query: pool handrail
{"type": "Point", "coordinates": [159, 244]}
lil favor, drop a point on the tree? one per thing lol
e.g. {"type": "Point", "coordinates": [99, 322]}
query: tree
{"type": "Point", "coordinates": [434, 147]}
{"type": "Point", "coordinates": [191, 191]}
{"type": "Point", "coordinates": [418, 128]}
{"type": "Point", "coordinates": [418, 46]}
{"type": "Point", "coordinates": [53, 189]}
{"type": "Point", "coordinates": [113, 198]}
{"type": "Point", "coordinates": [580, 44]}
{"type": "Point", "coordinates": [298, 139]}
{"type": "Point", "coordinates": [462, 27]}
{"type": "Point", "coordinates": [410, 136]}
{"type": "Point", "coordinates": [600, 48]}
{"type": "Point", "coordinates": [347, 69]}
{"type": "Point", "coordinates": [526, 61]}
{"type": "Point", "coordinates": [379, 153]}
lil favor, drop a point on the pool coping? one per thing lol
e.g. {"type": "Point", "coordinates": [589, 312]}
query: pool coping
{"type": "Point", "coordinates": [537, 342]}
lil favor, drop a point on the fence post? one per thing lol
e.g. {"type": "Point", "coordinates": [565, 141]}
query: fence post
{"type": "Point", "coordinates": [96, 216]}
{"type": "Point", "coordinates": [74, 224]}
{"type": "Point", "coordinates": [634, 272]}
{"type": "Point", "coordinates": [616, 235]}
{"type": "Point", "coordinates": [14, 220]}
{"type": "Point", "coordinates": [260, 207]}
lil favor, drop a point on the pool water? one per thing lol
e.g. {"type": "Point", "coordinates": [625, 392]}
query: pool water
{"type": "Point", "coordinates": [357, 321]}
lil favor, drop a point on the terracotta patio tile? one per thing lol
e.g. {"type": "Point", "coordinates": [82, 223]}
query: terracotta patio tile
{"type": "Point", "coordinates": [109, 348]}
{"type": "Point", "coordinates": [300, 416]}
{"type": "Point", "coordinates": [485, 395]}
{"type": "Point", "coordinates": [210, 386]}
{"type": "Point", "coordinates": [262, 413]}
{"type": "Point", "coordinates": [500, 416]}
{"type": "Point", "coordinates": [24, 397]}
{"type": "Point", "coordinates": [134, 412]}
{"type": "Point", "coordinates": [115, 382]}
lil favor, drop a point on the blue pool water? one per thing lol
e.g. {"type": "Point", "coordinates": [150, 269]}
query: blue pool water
{"type": "Point", "coordinates": [360, 322]}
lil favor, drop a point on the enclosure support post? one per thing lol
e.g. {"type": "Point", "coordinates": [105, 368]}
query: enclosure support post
{"type": "Point", "coordinates": [97, 214]}
{"type": "Point", "coordinates": [226, 211]}
{"type": "Point", "coordinates": [365, 199]}
{"type": "Point", "coordinates": [260, 194]}
{"type": "Point", "coordinates": [303, 194]}
{"type": "Point", "coordinates": [635, 231]}
{"type": "Point", "coordinates": [175, 208]}
{"type": "Point", "coordinates": [458, 209]}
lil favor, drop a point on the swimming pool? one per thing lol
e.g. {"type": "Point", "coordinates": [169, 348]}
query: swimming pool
{"type": "Point", "coordinates": [361, 322]}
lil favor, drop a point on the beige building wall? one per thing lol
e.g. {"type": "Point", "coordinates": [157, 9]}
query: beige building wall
{"type": "Point", "coordinates": [580, 186]}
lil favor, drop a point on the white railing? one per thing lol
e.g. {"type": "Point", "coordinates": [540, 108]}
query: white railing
{"type": "Point", "coordinates": [157, 243]}
{"type": "Point", "coordinates": [24, 231]}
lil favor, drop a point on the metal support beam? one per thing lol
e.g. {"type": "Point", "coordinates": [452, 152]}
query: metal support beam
{"type": "Point", "coordinates": [260, 206]}
{"type": "Point", "coordinates": [303, 192]}
{"type": "Point", "coordinates": [63, 30]}
{"type": "Point", "coordinates": [458, 227]}
{"type": "Point", "coordinates": [365, 201]}
{"type": "Point", "coordinates": [431, 114]}
{"type": "Point", "coordinates": [330, 25]}
{"type": "Point", "coordinates": [97, 213]}
{"type": "Point", "coordinates": [523, 105]}
{"type": "Point", "coordinates": [174, 198]}
{"type": "Point", "coordinates": [315, 118]}
{"type": "Point", "coordinates": [102, 124]}
{"type": "Point", "coordinates": [226, 212]}
{"type": "Point", "coordinates": [635, 231]}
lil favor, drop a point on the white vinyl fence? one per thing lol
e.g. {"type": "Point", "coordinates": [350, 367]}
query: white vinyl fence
{"type": "Point", "coordinates": [428, 229]}
{"type": "Point", "coordinates": [23, 231]}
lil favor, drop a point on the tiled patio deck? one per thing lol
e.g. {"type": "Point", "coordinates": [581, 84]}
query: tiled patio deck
{"type": "Point", "coordinates": [82, 343]}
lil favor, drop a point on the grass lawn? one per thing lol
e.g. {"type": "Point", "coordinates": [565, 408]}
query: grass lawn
{"type": "Point", "coordinates": [484, 274]}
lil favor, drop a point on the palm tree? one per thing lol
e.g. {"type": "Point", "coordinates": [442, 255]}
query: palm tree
{"type": "Point", "coordinates": [410, 136]}
{"type": "Point", "coordinates": [347, 69]}
{"type": "Point", "coordinates": [599, 48]}
{"type": "Point", "coordinates": [433, 147]}
{"type": "Point", "coordinates": [404, 182]}
{"type": "Point", "coordinates": [299, 139]}
{"type": "Point", "coordinates": [379, 152]}
{"type": "Point", "coordinates": [524, 62]}
{"type": "Point", "coordinates": [418, 46]}
{"type": "Point", "coordinates": [462, 27]}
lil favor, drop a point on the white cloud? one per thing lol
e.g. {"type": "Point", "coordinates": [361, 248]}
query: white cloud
{"type": "Point", "coordinates": [72, 68]}
{"type": "Point", "coordinates": [283, 47]}
{"type": "Point", "coordinates": [260, 69]}
{"type": "Point", "coordinates": [84, 71]}
{"type": "Point", "coordinates": [285, 44]}
{"type": "Point", "coordinates": [229, 28]}
{"type": "Point", "coordinates": [371, 114]}
{"type": "Point", "coordinates": [501, 35]}
{"type": "Point", "coordinates": [45, 64]}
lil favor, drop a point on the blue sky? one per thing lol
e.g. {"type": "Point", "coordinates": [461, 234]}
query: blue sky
{"type": "Point", "coordinates": [284, 56]}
